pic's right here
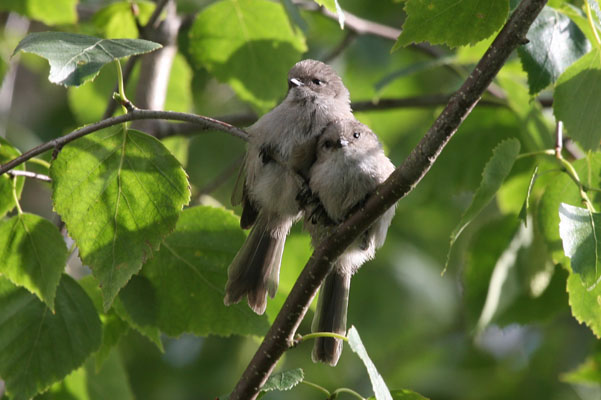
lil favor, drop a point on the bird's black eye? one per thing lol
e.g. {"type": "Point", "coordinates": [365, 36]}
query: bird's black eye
{"type": "Point", "coordinates": [328, 144]}
{"type": "Point", "coordinates": [317, 82]}
{"type": "Point", "coordinates": [356, 135]}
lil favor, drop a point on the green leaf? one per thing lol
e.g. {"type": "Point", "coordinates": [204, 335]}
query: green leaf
{"type": "Point", "coordinates": [454, 23]}
{"type": "Point", "coordinates": [580, 231]}
{"type": "Point", "coordinates": [404, 394]}
{"type": "Point", "coordinates": [334, 7]}
{"type": "Point", "coordinates": [576, 14]}
{"type": "Point", "coordinates": [7, 201]}
{"type": "Point", "coordinates": [555, 43]}
{"type": "Point", "coordinates": [234, 39]}
{"type": "Point", "coordinates": [75, 59]}
{"type": "Point", "coordinates": [38, 347]}
{"type": "Point", "coordinates": [587, 373]}
{"type": "Point", "coordinates": [575, 101]}
{"type": "Point", "coordinates": [123, 198]}
{"type": "Point", "coordinates": [87, 383]}
{"type": "Point", "coordinates": [117, 19]}
{"type": "Point", "coordinates": [189, 275]}
{"type": "Point", "coordinates": [495, 172]}
{"type": "Point", "coordinates": [380, 389]}
{"type": "Point", "coordinates": [49, 12]}
{"type": "Point", "coordinates": [113, 327]}
{"type": "Point", "coordinates": [33, 255]}
{"type": "Point", "coordinates": [561, 189]}
{"type": "Point", "coordinates": [137, 305]}
{"type": "Point", "coordinates": [284, 380]}
{"type": "Point", "coordinates": [585, 304]}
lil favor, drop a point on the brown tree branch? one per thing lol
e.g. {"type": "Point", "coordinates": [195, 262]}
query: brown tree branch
{"type": "Point", "coordinates": [402, 181]}
{"type": "Point", "coordinates": [58, 143]}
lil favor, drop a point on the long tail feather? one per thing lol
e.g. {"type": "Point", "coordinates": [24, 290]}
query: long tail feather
{"type": "Point", "coordinates": [255, 270]}
{"type": "Point", "coordinates": [331, 316]}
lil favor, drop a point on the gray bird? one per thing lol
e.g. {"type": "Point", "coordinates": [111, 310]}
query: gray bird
{"type": "Point", "coordinates": [316, 96]}
{"type": "Point", "coordinates": [349, 164]}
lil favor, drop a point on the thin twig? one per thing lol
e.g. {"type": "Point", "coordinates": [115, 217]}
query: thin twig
{"type": "Point", "coordinates": [402, 181]}
{"type": "Point", "coordinates": [138, 114]}
{"type": "Point", "coordinates": [29, 174]}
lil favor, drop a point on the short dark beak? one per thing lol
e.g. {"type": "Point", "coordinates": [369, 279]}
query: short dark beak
{"type": "Point", "coordinates": [294, 83]}
{"type": "Point", "coordinates": [341, 143]}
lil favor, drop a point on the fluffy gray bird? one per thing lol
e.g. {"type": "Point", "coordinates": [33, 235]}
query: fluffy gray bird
{"type": "Point", "coordinates": [316, 96]}
{"type": "Point", "coordinates": [349, 164]}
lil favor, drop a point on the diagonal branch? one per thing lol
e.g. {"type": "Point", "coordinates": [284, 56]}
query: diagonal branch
{"type": "Point", "coordinates": [137, 114]}
{"type": "Point", "coordinates": [402, 181]}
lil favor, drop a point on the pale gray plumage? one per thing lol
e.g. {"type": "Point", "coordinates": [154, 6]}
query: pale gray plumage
{"type": "Point", "coordinates": [316, 96]}
{"type": "Point", "coordinates": [349, 164]}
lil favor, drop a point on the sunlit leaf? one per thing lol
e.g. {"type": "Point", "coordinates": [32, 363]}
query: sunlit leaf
{"type": "Point", "coordinates": [39, 347]}
{"type": "Point", "coordinates": [75, 59]}
{"type": "Point", "coordinates": [580, 232]}
{"type": "Point", "coordinates": [555, 42]}
{"type": "Point", "coordinates": [454, 23]}
{"type": "Point", "coordinates": [587, 373]}
{"type": "Point", "coordinates": [121, 201]}
{"type": "Point", "coordinates": [33, 254]}
{"type": "Point", "coordinates": [234, 39]}
{"type": "Point", "coordinates": [561, 189]}
{"type": "Point", "coordinates": [585, 303]}
{"type": "Point", "coordinates": [334, 7]}
{"type": "Point", "coordinates": [117, 20]}
{"type": "Point", "coordinates": [49, 12]}
{"type": "Point", "coordinates": [575, 100]}
{"type": "Point", "coordinates": [7, 201]}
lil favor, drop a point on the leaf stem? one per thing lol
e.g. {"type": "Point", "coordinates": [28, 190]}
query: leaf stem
{"type": "Point", "coordinates": [41, 162]}
{"type": "Point", "coordinates": [315, 335]}
{"type": "Point", "coordinates": [349, 391]}
{"type": "Point", "coordinates": [571, 171]}
{"type": "Point", "coordinates": [589, 16]}
{"type": "Point", "coordinates": [548, 152]}
{"type": "Point", "coordinates": [19, 209]}
{"type": "Point", "coordinates": [122, 98]}
{"type": "Point", "coordinates": [318, 387]}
